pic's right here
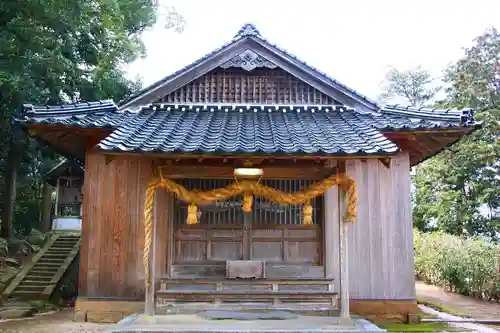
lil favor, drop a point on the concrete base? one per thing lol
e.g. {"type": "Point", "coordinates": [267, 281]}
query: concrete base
{"type": "Point", "coordinates": [141, 323]}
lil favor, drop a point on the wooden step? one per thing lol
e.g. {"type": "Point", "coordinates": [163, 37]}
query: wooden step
{"type": "Point", "coordinates": [209, 285]}
{"type": "Point", "coordinates": [324, 309]}
{"type": "Point", "coordinates": [249, 293]}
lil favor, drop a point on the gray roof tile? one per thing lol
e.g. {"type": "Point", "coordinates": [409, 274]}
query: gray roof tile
{"type": "Point", "coordinates": [257, 129]}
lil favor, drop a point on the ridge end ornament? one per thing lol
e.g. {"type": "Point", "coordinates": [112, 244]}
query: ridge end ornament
{"type": "Point", "coordinates": [248, 60]}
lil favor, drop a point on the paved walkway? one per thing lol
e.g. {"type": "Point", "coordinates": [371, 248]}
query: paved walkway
{"type": "Point", "coordinates": [474, 307]}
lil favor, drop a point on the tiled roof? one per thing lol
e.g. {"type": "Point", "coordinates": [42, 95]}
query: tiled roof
{"type": "Point", "coordinates": [84, 115]}
{"type": "Point", "coordinates": [398, 117]}
{"type": "Point", "coordinates": [455, 116]}
{"type": "Point", "coordinates": [249, 30]}
{"type": "Point", "coordinates": [266, 129]}
{"type": "Point", "coordinates": [262, 129]}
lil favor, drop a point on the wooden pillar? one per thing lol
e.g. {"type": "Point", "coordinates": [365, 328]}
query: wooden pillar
{"type": "Point", "coordinates": [344, 264]}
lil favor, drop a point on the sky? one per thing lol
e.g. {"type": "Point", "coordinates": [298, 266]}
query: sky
{"type": "Point", "coordinates": [355, 42]}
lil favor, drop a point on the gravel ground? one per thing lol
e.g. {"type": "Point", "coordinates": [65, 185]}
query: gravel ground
{"type": "Point", "coordinates": [59, 322]}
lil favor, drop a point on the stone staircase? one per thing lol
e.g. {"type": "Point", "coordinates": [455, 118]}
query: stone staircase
{"type": "Point", "coordinates": [39, 278]}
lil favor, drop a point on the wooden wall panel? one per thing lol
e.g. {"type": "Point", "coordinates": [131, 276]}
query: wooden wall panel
{"type": "Point", "coordinates": [380, 243]}
{"type": "Point", "coordinates": [112, 242]}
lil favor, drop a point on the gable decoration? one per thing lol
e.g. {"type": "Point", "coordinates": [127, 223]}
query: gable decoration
{"type": "Point", "coordinates": [248, 188]}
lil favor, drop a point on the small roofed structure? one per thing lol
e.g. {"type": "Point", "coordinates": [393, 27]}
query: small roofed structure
{"type": "Point", "coordinates": [67, 178]}
{"type": "Point", "coordinates": [171, 222]}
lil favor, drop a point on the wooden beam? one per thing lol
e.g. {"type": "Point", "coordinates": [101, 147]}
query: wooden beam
{"type": "Point", "coordinates": [243, 157]}
{"type": "Point", "coordinates": [386, 162]}
{"type": "Point", "coordinates": [211, 172]}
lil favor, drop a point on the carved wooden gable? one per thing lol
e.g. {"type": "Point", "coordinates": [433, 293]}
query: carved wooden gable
{"type": "Point", "coordinates": [248, 78]}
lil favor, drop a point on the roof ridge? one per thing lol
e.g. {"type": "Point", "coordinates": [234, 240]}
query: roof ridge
{"type": "Point", "coordinates": [70, 108]}
{"type": "Point", "coordinates": [248, 29]}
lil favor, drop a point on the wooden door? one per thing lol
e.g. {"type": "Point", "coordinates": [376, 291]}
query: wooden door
{"type": "Point", "coordinates": [270, 232]}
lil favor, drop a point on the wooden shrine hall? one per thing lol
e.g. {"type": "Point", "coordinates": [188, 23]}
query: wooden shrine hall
{"type": "Point", "coordinates": [246, 180]}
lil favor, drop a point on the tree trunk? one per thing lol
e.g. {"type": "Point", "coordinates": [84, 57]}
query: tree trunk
{"type": "Point", "coordinates": [13, 160]}
{"type": "Point", "coordinates": [46, 207]}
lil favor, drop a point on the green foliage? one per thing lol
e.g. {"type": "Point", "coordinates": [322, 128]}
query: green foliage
{"type": "Point", "coordinates": [467, 266]}
{"type": "Point", "coordinates": [56, 51]}
{"type": "Point", "coordinates": [422, 327]}
{"type": "Point", "coordinates": [458, 191]}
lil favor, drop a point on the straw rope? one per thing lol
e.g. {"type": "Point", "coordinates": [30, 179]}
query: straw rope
{"type": "Point", "coordinates": [249, 189]}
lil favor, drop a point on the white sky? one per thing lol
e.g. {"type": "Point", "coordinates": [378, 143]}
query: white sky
{"type": "Point", "coordinates": [355, 42]}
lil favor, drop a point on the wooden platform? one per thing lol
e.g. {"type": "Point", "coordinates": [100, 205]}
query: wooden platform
{"type": "Point", "coordinates": [191, 295]}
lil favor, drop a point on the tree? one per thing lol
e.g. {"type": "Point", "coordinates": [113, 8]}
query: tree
{"type": "Point", "coordinates": [416, 85]}
{"type": "Point", "coordinates": [460, 188]}
{"type": "Point", "coordinates": [57, 51]}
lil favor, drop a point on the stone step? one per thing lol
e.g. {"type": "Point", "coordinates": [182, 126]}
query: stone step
{"type": "Point", "coordinates": [45, 265]}
{"type": "Point", "coordinates": [58, 251]}
{"type": "Point", "coordinates": [52, 256]}
{"type": "Point", "coordinates": [59, 260]}
{"type": "Point", "coordinates": [24, 293]}
{"type": "Point", "coordinates": [44, 270]}
{"type": "Point", "coordinates": [36, 288]}
{"type": "Point", "coordinates": [41, 272]}
{"type": "Point", "coordinates": [62, 249]}
{"type": "Point", "coordinates": [40, 268]}
{"type": "Point", "coordinates": [34, 282]}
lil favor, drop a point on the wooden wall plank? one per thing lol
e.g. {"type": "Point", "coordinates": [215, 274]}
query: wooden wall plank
{"type": "Point", "coordinates": [113, 226]}
{"type": "Point", "coordinates": [381, 240]}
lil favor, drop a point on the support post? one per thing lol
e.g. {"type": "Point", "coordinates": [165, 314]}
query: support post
{"type": "Point", "coordinates": [331, 231]}
{"type": "Point", "coordinates": [344, 264]}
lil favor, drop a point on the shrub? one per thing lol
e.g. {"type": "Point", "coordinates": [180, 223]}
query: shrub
{"type": "Point", "coordinates": [467, 266]}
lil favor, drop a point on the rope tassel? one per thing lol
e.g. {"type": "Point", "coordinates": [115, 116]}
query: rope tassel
{"type": "Point", "coordinates": [192, 217]}
{"type": "Point", "coordinates": [307, 211]}
{"type": "Point", "coordinates": [247, 203]}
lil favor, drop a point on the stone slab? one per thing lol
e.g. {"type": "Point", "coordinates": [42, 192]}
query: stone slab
{"type": "Point", "coordinates": [198, 324]}
{"type": "Point", "coordinates": [242, 315]}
